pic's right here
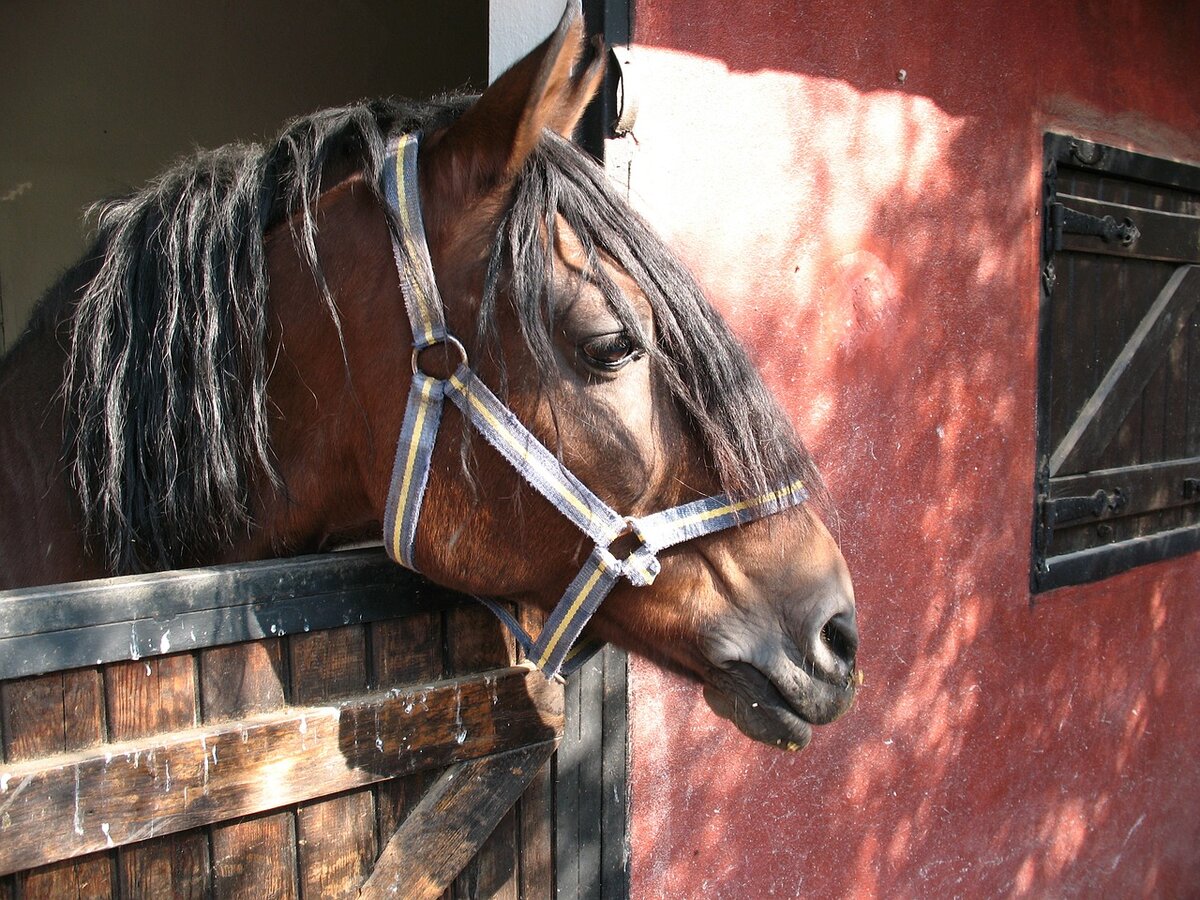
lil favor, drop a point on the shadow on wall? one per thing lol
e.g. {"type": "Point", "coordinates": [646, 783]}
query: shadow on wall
{"type": "Point", "coordinates": [879, 254]}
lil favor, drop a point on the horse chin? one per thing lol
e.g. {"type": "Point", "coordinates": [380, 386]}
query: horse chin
{"type": "Point", "coordinates": [752, 701]}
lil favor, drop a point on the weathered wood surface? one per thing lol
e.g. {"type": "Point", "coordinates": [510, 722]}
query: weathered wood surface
{"type": "Point", "coordinates": [55, 714]}
{"type": "Point", "coordinates": [88, 623]}
{"type": "Point", "coordinates": [255, 855]}
{"type": "Point", "coordinates": [70, 804]}
{"type": "Point", "coordinates": [131, 718]}
{"type": "Point", "coordinates": [456, 815]}
{"type": "Point", "coordinates": [1097, 422]}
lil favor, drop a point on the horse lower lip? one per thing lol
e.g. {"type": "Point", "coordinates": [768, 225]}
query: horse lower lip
{"type": "Point", "coordinates": [745, 696]}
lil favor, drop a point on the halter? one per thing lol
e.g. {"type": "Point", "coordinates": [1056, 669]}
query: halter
{"type": "Point", "coordinates": [551, 651]}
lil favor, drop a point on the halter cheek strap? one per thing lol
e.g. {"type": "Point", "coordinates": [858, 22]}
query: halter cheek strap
{"type": "Point", "coordinates": [552, 651]}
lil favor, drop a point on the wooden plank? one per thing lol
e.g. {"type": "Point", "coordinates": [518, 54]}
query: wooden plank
{"type": "Point", "coordinates": [1121, 386]}
{"type": "Point", "coordinates": [64, 806]}
{"type": "Point", "coordinates": [476, 640]}
{"type": "Point", "coordinates": [567, 766]}
{"type": "Point", "coordinates": [1099, 562]}
{"type": "Point", "coordinates": [536, 818]}
{"type": "Point", "coordinates": [163, 594]}
{"type": "Point", "coordinates": [150, 696]}
{"type": "Point", "coordinates": [255, 855]}
{"type": "Point", "coordinates": [1175, 397]}
{"type": "Point", "coordinates": [242, 679]}
{"type": "Point", "coordinates": [1146, 488]}
{"type": "Point", "coordinates": [135, 617]}
{"type": "Point", "coordinates": [329, 664]}
{"type": "Point", "coordinates": [45, 716]}
{"type": "Point", "coordinates": [591, 784]}
{"type": "Point", "coordinates": [176, 866]}
{"type": "Point", "coordinates": [1192, 435]}
{"type": "Point", "coordinates": [1165, 236]}
{"type": "Point", "coordinates": [404, 651]}
{"type": "Point", "coordinates": [494, 872]}
{"type": "Point", "coordinates": [89, 876]}
{"type": "Point", "coordinates": [335, 837]}
{"type": "Point", "coordinates": [144, 698]}
{"type": "Point", "coordinates": [614, 863]}
{"type": "Point", "coordinates": [52, 714]}
{"type": "Point", "coordinates": [451, 821]}
{"type": "Point", "coordinates": [1123, 163]}
{"type": "Point", "coordinates": [535, 809]}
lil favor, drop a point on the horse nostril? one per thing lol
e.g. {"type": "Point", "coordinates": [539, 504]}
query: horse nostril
{"type": "Point", "coordinates": [840, 635]}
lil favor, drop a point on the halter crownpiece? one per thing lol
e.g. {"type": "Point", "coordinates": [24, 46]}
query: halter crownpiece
{"type": "Point", "coordinates": [552, 650]}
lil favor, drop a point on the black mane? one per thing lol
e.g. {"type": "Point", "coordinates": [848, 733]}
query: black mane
{"type": "Point", "coordinates": [165, 390]}
{"type": "Point", "coordinates": [749, 441]}
{"type": "Point", "coordinates": [167, 414]}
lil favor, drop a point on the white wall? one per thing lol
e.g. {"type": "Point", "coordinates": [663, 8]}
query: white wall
{"type": "Point", "coordinates": [517, 26]}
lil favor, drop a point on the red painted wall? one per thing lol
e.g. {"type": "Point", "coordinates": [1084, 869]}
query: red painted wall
{"type": "Point", "coordinates": [876, 242]}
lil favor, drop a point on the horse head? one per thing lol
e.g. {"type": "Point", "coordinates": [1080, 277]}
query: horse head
{"type": "Point", "coordinates": [605, 349]}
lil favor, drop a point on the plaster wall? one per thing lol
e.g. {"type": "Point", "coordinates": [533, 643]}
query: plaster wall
{"type": "Point", "coordinates": [858, 186]}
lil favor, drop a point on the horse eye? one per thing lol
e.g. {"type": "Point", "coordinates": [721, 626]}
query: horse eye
{"type": "Point", "coordinates": [610, 351]}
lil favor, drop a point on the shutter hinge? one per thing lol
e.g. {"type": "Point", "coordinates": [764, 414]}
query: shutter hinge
{"type": "Point", "coordinates": [1064, 220]}
{"type": "Point", "coordinates": [1060, 510]}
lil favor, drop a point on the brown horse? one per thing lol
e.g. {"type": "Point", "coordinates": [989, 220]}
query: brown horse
{"type": "Point", "coordinates": [223, 378]}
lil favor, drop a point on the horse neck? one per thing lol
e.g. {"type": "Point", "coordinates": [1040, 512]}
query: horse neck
{"type": "Point", "coordinates": [41, 542]}
{"type": "Point", "coordinates": [337, 393]}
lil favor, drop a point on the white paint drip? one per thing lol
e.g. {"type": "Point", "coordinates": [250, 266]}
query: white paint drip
{"type": "Point", "coordinates": [164, 646]}
{"type": "Point", "coordinates": [461, 736]}
{"type": "Point", "coordinates": [107, 837]}
{"type": "Point", "coordinates": [78, 810]}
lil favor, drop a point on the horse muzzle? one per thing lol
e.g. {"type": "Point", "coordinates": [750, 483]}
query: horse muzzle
{"type": "Point", "coordinates": [776, 693]}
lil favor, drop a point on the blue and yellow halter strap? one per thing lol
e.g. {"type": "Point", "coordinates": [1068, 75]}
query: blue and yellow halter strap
{"type": "Point", "coordinates": [552, 651]}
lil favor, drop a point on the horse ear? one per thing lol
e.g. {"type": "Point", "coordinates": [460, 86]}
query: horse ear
{"type": "Point", "coordinates": [488, 145]}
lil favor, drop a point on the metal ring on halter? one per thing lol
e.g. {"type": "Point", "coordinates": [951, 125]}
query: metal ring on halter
{"type": "Point", "coordinates": [448, 339]}
{"type": "Point", "coordinates": [629, 529]}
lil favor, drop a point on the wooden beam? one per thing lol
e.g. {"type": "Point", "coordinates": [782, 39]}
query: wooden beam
{"type": "Point", "coordinates": [1092, 563]}
{"type": "Point", "coordinates": [453, 819]}
{"type": "Point", "coordinates": [64, 806]}
{"type": "Point", "coordinates": [1122, 384]}
{"type": "Point", "coordinates": [86, 623]}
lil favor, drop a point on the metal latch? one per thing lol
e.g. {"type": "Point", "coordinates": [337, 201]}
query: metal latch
{"type": "Point", "coordinates": [1060, 510]}
{"type": "Point", "coordinates": [1064, 220]}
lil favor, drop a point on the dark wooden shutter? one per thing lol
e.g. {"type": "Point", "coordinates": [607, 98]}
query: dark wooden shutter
{"type": "Point", "coordinates": [1119, 363]}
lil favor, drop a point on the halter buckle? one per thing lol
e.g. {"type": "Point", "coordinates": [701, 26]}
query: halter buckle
{"type": "Point", "coordinates": [627, 547]}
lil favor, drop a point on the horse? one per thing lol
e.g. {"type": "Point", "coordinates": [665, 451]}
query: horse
{"type": "Point", "coordinates": [222, 378]}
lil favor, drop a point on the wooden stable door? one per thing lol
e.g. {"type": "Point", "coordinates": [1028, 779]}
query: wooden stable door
{"type": "Point", "coordinates": [323, 727]}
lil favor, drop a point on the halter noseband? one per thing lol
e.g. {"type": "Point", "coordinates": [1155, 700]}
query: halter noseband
{"type": "Point", "coordinates": [551, 651]}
